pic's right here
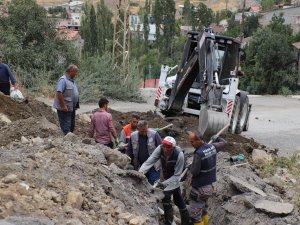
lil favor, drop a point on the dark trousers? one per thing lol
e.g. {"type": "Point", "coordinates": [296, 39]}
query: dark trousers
{"type": "Point", "coordinates": [177, 198]}
{"type": "Point", "coordinates": [66, 121]}
{"type": "Point", "coordinates": [110, 145]}
{"type": "Point", "coordinates": [5, 87]}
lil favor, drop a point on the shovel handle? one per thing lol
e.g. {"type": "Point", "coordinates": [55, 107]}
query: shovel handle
{"type": "Point", "coordinates": [171, 124]}
{"type": "Point", "coordinates": [220, 132]}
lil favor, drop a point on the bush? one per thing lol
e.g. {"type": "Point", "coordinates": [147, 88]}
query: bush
{"type": "Point", "coordinates": [290, 163]}
{"type": "Point", "coordinates": [285, 91]}
{"type": "Point", "coordinates": [97, 78]}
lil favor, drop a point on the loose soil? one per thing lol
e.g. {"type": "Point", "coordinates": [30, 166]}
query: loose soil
{"type": "Point", "coordinates": [48, 179]}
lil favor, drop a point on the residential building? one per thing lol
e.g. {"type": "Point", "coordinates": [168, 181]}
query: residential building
{"type": "Point", "coordinates": [290, 15]}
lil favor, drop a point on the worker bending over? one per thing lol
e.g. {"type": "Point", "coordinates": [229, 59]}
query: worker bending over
{"type": "Point", "coordinates": [172, 161]}
{"type": "Point", "coordinates": [141, 145]}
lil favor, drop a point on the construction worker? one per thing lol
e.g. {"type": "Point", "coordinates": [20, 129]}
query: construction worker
{"type": "Point", "coordinates": [127, 130]}
{"type": "Point", "coordinates": [141, 145]}
{"type": "Point", "coordinates": [172, 161]}
{"type": "Point", "coordinates": [66, 99]}
{"type": "Point", "coordinates": [203, 170]}
{"type": "Point", "coordinates": [102, 125]}
{"type": "Point", "coordinates": [6, 77]}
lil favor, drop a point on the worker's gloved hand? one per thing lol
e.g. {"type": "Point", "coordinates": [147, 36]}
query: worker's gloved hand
{"type": "Point", "coordinates": [214, 138]}
{"type": "Point", "coordinates": [160, 185]}
{"type": "Point", "coordinates": [121, 146]}
{"type": "Point", "coordinates": [117, 141]}
{"type": "Point", "coordinates": [156, 129]}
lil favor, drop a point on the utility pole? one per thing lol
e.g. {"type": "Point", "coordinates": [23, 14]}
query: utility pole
{"type": "Point", "coordinates": [121, 39]}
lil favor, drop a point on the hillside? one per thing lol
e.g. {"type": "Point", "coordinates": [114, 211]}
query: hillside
{"type": "Point", "coordinates": [214, 4]}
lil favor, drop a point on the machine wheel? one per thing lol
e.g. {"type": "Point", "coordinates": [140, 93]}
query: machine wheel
{"type": "Point", "coordinates": [246, 127]}
{"type": "Point", "coordinates": [235, 115]}
{"type": "Point", "coordinates": [243, 116]}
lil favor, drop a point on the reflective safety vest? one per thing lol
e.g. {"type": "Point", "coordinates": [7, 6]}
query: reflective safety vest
{"type": "Point", "coordinates": [127, 130]}
{"type": "Point", "coordinates": [208, 172]}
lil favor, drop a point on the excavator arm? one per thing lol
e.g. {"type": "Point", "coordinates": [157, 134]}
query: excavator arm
{"type": "Point", "coordinates": [198, 63]}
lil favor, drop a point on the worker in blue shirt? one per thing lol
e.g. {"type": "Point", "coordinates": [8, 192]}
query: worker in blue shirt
{"type": "Point", "coordinates": [6, 77]}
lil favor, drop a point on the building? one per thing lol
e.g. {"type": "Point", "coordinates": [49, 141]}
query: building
{"type": "Point", "coordinates": [136, 25]}
{"type": "Point", "coordinates": [290, 15]}
{"type": "Point", "coordinates": [74, 6]}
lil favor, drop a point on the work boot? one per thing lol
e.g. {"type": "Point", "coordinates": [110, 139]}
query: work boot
{"type": "Point", "coordinates": [168, 216]}
{"type": "Point", "coordinates": [185, 217]}
{"type": "Point", "coordinates": [199, 223]}
{"type": "Point", "coordinates": [205, 219]}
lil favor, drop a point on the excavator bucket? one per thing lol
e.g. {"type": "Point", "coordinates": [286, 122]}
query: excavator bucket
{"type": "Point", "coordinates": [210, 122]}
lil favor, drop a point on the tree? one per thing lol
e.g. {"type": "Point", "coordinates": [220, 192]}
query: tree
{"type": "Point", "coordinates": [277, 25]}
{"type": "Point", "coordinates": [251, 25]}
{"type": "Point", "coordinates": [267, 4]}
{"type": "Point", "coordinates": [204, 15]}
{"type": "Point", "coordinates": [187, 12]}
{"type": "Point", "coordinates": [146, 26]}
{"type": "Point", "coordinates": [105, 25]}
{"type": "Point", "coordinates": [96, 28]}
{"type": "Point", "coordinates": [268, 64]}
{"type": "Point", "coordinates": [169, 25]}
{"type": "Point", "coordinates": [29, 41]}
{"type": "Point", "coordinates": [94, 31]}
{"type": "Point", "coordinates": [85, 28]}
{"type": "Point", "coordinates": [158, 15]}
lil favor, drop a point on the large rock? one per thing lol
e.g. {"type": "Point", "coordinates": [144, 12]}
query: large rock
{"type": "Point", "coordinates": [260, 156]}
{"type": "Point", "coordinates": [276, 208]}
{"type": "Point", "coordinates": [116, 157]}
{"type": "Point", "coordinates": [37, 141]}
{"type": "Point", "coordinates": [75, 199]}
{"type": "Point", "coordinates": [25, 221]}
{"type": "Point", "coordinates": [10, 178]}
{"type": "Point", "coordinates": [70, 137]}
{"type": "Point", "coordinates": [245, 187]}
{"type": "Point", "coordinates": [4, 118]}
{"type": "Point", "coordinates": [137, 221]}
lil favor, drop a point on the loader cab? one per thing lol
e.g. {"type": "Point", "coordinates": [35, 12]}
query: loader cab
{"type": "Point", "coordinates": [227, 54]}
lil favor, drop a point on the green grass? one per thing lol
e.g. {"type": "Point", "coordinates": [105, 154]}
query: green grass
{"type": "Point", "coordinates": [291, 163]}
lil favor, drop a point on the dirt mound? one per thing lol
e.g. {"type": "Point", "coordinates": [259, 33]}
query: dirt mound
{"type": "Point", "coordinates": [31, 127]}
{"type": "Point", "coordinates": [63, 181]}
{"type": "Point", "coordinates": [24, 110]}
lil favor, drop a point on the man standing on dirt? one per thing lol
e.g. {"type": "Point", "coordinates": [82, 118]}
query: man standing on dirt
{"type": "Point", "coordinates": [172, 161]}
{"type": "Point", "coordinates": [127, 130]}
{"type": "Point", "coordinates": [6, 77]}
{"type": "Point", "coordinates": [203, 170]}
{"type": "Point", "coordinates": [66, 99]}
{"type": "Point", "coordinates": [102, 125]}
{"type": "Point", "coordinates": [141, 145]}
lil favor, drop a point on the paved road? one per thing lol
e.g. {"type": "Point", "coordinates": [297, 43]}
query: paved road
{"type": "Point", "coordinates": [275, 122]}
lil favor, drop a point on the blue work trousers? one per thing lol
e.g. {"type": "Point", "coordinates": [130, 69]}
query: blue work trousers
{"type": "Point", "coordinates": [152, 175]}
{"type": "Point", "coordinates": [66, 121]}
